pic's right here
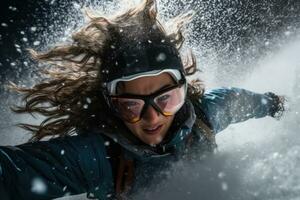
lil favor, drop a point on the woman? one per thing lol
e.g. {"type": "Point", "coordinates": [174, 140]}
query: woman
{"type": "Point", "coordinates": [119, 109]}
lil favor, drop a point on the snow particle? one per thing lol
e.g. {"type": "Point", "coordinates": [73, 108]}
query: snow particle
{"type": "Point", "coordinates": [108, 195]}
{"type": "Point", "coordinates": [12, 8]}
{"type": "Point", "coordinates": [264, 101]}
{"type": "Point", "coordinates": [287, 33]}
{"type": "Point", "coordinates": [76, 5]}
{"type": "Point", "coordinates": [224, 186]}
{"type": "Point", "coordinates": [38, 186]}
{"type": "Point", "coordinates": [88, 100]}
{"type": "Point", "coordinates": [276, 155]}
{"type": "Point", "coordinates": [36, 43]}
{"type": "Point", "coordinates": [221, 175]}
{"type": "Point", "coordinates": [33, 29]}
{"type": "Point", "coordinates": [161, 57]}
{"type": "Point", "coordinates": [62, 152]}
{"type": "Point", "coordinates": [105, 71]}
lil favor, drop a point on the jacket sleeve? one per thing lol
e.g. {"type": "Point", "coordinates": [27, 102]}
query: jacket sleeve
{"type": "Point", "coordinates": [54, 168]}
{"type": "Point", "coordinates": [224, 106]}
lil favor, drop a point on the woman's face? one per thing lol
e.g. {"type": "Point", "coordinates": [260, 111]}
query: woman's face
{"type": "Point", "coordinates": [153, 126]}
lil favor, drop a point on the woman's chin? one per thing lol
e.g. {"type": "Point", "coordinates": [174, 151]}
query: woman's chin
{"type": "Point", "coordinates": [153, 141]}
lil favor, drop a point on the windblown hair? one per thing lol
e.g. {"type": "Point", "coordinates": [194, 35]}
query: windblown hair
{"type": "Point", "coordinates": [70, 98]}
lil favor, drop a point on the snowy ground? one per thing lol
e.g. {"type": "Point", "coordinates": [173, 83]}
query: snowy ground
{"type": "Point", "coordinates": [257, 159]}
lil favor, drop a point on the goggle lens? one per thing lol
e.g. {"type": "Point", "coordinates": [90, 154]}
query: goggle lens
{"type": "Point", "coordinates": [129, 109]}
{"type": "Point", "coordinates": [171, 101]}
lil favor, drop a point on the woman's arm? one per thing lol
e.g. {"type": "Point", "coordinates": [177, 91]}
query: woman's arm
{"type": "Point", "coordinates": [51, 169]}
{"type": "Point", "coordinates": [225, 106]}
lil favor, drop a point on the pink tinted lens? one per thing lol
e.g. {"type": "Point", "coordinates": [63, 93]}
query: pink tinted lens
{"type": "Point", "coordinates": [171, 101]}
{"type": "Point", "coordinates": [129, 109]}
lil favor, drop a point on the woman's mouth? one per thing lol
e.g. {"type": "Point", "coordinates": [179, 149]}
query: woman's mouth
{"type": "Point", "coordinates": [153, 131]}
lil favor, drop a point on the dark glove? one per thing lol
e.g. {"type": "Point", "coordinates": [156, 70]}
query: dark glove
{"type": "Point", "coordinates": [278, 106]}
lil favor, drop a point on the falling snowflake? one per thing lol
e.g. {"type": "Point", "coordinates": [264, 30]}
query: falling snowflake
{"type": "Point", "coordinates": [161, 57]}
{"type": "Point", "coordinates": [33, 29]}
{"type": "Point", "coordinates": [38, 186]}
{"type": "Point", "coordinates": [36, 43]}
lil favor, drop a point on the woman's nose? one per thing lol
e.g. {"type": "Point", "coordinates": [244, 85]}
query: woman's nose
{"type": "Point", "coordinates": [151, 114]}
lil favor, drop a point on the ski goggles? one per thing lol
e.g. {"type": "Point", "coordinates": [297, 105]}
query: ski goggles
{"type": "Point", "coordinates": [166, 101]}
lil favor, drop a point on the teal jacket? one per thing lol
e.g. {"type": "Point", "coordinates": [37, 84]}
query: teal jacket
{"type": "Point", "coordinates": [84, 163]}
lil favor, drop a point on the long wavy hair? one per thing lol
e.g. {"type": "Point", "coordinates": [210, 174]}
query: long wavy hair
{"type": "Point", "coordinates": [70, 97]}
